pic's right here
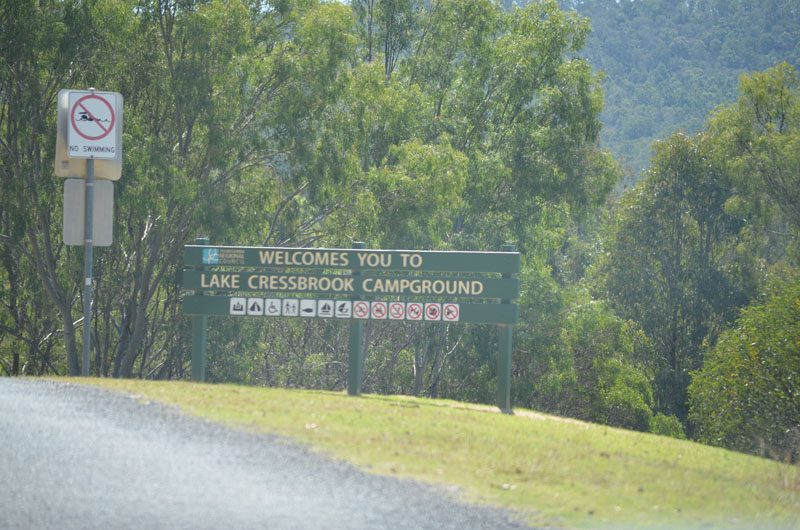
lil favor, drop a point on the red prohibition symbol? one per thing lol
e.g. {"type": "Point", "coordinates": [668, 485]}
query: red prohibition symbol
{"type": "Point", "coordinates": [432, 311]}
{"type": "Point", "coordinates": [379, 310]}
{"type": "Point", "coordinates": [361, 309]}
{"type": "Point", "coordinates": [414, 311]}
{"type": "Point", "coordinates": [450, 312]}
{"type": "Point", "coordinates": [91, 112]}
{"type": "Point", "coordinates": [397, 311]}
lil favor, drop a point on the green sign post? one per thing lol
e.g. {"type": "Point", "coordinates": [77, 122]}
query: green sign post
{"type": "Point", "coordinates": [199, 327]}
{"type": "Point", "coordinates": [355, 285]}
{"type": "Point", "coordinates": [355, 365]}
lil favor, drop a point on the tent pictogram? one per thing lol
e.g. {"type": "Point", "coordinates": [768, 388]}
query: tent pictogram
{"type": "Point", "coordinates": [255, 306]}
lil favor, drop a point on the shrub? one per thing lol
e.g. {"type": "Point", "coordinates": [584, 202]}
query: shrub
{"type": "Point", "coordinates": [667, 426]}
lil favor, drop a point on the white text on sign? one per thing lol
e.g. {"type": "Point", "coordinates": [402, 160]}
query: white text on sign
{"type": "Point", "coordinates": [321, 258]}
{"type": "Point", "coordinates": [341, 284]}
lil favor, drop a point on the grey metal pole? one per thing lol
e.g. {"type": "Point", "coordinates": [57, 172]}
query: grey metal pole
{"type": "Point", "coordinates": [88, 231]}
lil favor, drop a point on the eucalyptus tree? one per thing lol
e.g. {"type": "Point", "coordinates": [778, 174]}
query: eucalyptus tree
{"type": "Point", "coordinates": [508, 89]}
{"type": "Point", "coordinates": [387, 28]}
{"type": "Point", "coordinates": [45, 46]}
{"type": "Point", "coordinates": [761, 133]}
{"type": "Point", "coordinates": [670, 261]}
{"type": "Point", "coordinates": [746, 396]}
{"type": "Point", "coordinates": [218, 95]}
{"type": "Point", "coordinates": [509, 92]}
{"type": "Point", "coordinates": [223, 97]}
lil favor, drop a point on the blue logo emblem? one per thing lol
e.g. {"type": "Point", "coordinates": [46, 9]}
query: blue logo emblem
{"type": "Point", "coordinates": [210, 256]}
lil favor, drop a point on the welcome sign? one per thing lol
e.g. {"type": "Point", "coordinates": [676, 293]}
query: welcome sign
{"type": "Point", "coordinates": [355, 285]}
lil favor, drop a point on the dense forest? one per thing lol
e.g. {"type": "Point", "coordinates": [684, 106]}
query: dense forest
{"type": "Point", "coordinates": [672, 308]}
{"type": "Point", "coordinates": [667, 64]}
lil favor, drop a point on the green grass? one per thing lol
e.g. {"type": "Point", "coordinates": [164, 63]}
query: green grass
{"type": "Point", "coordinates": [551, 470]}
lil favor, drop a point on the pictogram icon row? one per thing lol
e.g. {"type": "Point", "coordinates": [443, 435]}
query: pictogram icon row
{"type": "Point", "coordinates": [359, 309]}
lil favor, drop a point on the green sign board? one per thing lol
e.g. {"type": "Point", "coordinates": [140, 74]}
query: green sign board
{"type": "Point", "coordinates": [354, 285]}
{"type": "Point", "coordinates": [352, 259]}
{"type": "Point", "coordinates": [351, 285]}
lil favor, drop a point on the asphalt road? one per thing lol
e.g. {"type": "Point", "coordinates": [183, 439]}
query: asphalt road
{"type": "Point", "coordinates": [75, 457]}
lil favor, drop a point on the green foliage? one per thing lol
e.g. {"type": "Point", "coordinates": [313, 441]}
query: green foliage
{"type": "Point", "coordinates": [44, 46]}
{"type": "Point", "coordinates": [408, 124]}
{"type": "Point", "coordinates": [387, 28]}
{"type": "Point", "coordinates": [743, 396]}
{"type": "Point", "coordinates": [482, 133]}
{"type": "Point", "coordinates": [501, 88]}
{"type": "Point", "coordinates": [404, 124]}
{"type": "Point", "coordinates": [627, 407]}
{"type": "Point", "coordinates": [227, 93]}
{"type": "Point", "coordinates": [220, 97]}
{"type": "Point", "coordinates": [668, 261]}
{"type": "Point", "coordinates": [668, 64]}
{"type": "Point", "coordinates": [606, 385]}
{"type": "Point", "coordinates": [418, 194]}
{"type": "Point", "coordinates": [746, 396]}
{"type": "Point", "coordinates": [761, 133]}
{"type": "Point", "coordinates": [667, 426]}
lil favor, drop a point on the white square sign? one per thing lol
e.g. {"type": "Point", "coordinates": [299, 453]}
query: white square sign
{"type": "Point", "coordinates": [397, 310]}
{"type": "Point", "coordinates": [255, 306]}
{"type": "Point", "coordinates": [344, 309]}
{"type": "Point", "coordinates": [308, 308]}
{"type": "Point", "coordinates": [291, 307]}
{"type": "Point", "coordinates": [272, 307]}
{"type": "Point", "coordinates": [325, 308]}
{"type": "Point", "coordinates": [238, 306]}
{"type": "Point", "coordinates": [92, 125]}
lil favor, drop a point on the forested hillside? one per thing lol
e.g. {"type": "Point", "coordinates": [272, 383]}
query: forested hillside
{"type": "Point", "coordinates": [668, 63]}
{"type": "Point", "coordinates": [446, 125]}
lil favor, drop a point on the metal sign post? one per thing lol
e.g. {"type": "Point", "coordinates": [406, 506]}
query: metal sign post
{"type": "Point", "coordinates": [88, 225]}
{"type": "Point", "coordinates": [90, 129]}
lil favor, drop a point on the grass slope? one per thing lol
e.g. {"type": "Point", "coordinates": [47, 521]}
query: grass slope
{"type": "Point", "coordinates": [552, 470]}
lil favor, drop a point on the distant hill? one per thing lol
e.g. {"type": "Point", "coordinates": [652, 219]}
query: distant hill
{"type": "Point", "coordinates": [669, 62]}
